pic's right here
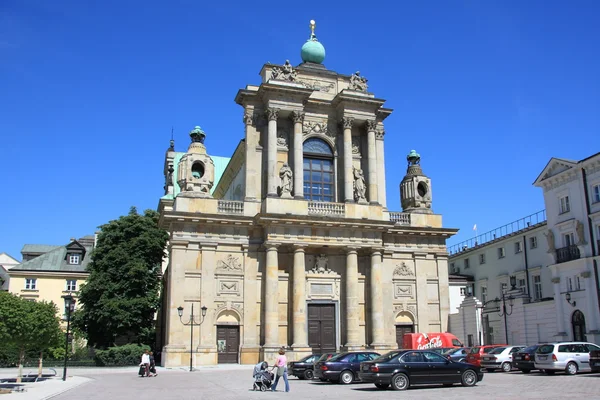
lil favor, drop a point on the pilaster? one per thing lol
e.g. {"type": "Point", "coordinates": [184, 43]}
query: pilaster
{"type": "Point", "coordinates": [381, 197]}
{"type": "Point", "coordinates": [251, 163]}
{"type": "Point", "coordinates": [372, 161]}
{"type": "Point", "coordinates": [347, 123]}
{"type": "Point", "coordinates": [298, 118]}
{"type": "Point", "coordinates": [272, 175]}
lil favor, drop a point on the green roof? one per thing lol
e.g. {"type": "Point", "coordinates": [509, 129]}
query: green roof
{"type": "Point", "coordinates": [220, 165]}
{"type": "Point", "coordinates": [38, 248]}
{"type": "Point", "coordinates": [55, 260]}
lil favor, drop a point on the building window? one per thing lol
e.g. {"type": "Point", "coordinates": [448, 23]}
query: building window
{"type": "Point", "coordinates": [463, 291]}
{"type": "Point", "coordinates": [503, 287]}
{"type": "Point", "coordinates": [74, 259]}
{"type": "Point", "coordinates": [564, 204]}
{"type": "Point", "coordinates": [518, 247]}
{"type": "Point", "coordinates": [71, 285]}
{"type": "Point", "coordinates": [482, 258]}
{"type": "Point", "coordinates": [521, 283]}
{"type": "Point", "coordinates": [483, 294]}
{"type": "Point", "coordinates": [533, 242]}
{"type": "Point", "coordinates": [568, 239]}
{"type": "Point", "coordinates": [318, 170]}
{"type": "Point", "coordinates": [30, 283]}
{"type": "Point", "coordinates": [537, 287]}
{"type": "Point", "coordinates": [577, 283]}
{"type": "Point", "coordinates": [501, 252]}
{"type": "Point", "coordinates": [569, 284]}
{"type": "Point", "coordinates": [596, 194]}
{"type": "Point", "coordinates": [466, 263]}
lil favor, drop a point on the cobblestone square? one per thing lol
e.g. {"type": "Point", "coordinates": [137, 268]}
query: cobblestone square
{"type": "Point", "coordinates": [226, 384]}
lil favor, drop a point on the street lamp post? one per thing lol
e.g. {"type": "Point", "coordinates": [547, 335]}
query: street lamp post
{"type": "Point", "coordinates": [69, 308]}
{"type": "Point", "coordinates": [191, 323]}
{"type": "Point", "coordinates": [504, 311]}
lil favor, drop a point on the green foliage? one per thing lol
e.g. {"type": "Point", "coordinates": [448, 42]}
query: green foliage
{"type": "Point", "coordinates": [28, 325]}
{"type": "Point", "coordinates": [120, 296]}
{"type": "Point", "coordinates": [129, 354]}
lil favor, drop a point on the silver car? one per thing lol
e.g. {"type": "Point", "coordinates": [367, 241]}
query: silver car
{"type": "Point", "coordinates": [499, 358]}
{"type": "Point", "coordinates": [571, 357]}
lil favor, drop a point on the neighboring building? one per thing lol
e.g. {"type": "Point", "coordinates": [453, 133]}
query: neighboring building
{"type": "Point", "coordinates": [291, 242]}
{"type": "Point", "coordinates": [553, 263]}
{"type": "Point", "coordinates": [51, 272]}
{"type": "Point", "coordinates": [6, 262]}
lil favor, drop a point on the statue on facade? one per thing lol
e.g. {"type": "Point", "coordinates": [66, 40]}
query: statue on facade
{"type": "Point", "coordinates": [287, 183]}
{"type": "Point", "coordinates": [358, 83]}
{"type": "Point", "coordinates": [580, 236]}
{"type": "Point", "coordinates": [550, 239]}
{"type": "Point", "coordinates": [360, 188]}
{"type": "Point", "coordinates": [321, 265]}
{"type": "Point", "coordinates": [285, 73]}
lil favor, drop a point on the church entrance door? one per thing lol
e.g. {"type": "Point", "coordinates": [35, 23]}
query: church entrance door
{"type": "Point", "coordinates": [228, 344]}
{"type": "Point", "coordinates": [400, 331]}
{"type": "Point", "coordinates": [321, 328]}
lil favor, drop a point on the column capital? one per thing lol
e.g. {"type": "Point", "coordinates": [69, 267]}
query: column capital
{"type": "Point", "coordinates": [371, 125]}
{"type": "Point", "coordinates": [297, 116]}
{"type": "Point", "coordinates": [272, 113]}
{"type": "Point", "coordinates": [270, 246]}
{"type": "Point", "coordinates": [347, 122]}
{"type": "Point", "coordinates": [379, 134]}
{"type": "Point", "coordinates": [248, 118]}
{"type": "Point", "coordinates": [351, 250]}
{"type": "Point", "coordinates": [376, 251]}
{"type": "Point", "coordinates": [300, 248]}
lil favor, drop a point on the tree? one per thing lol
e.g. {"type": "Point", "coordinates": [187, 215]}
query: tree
{"type": "Point", "coordinates": [28, 325]}
{"type": "Point", "coordinates": [121, 295]}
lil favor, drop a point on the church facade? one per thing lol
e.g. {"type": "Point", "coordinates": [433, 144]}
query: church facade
{"type": "Point", "coordinates": [290, 242]}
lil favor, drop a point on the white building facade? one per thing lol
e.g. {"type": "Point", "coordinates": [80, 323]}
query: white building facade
{"type": "Point", "coordinates": [536, 279]}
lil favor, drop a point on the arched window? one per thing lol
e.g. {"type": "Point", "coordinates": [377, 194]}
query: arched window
{"type": "Point", "coordinates": [318, 170]}
{"type": "Point", "coordinates": [578, 322]}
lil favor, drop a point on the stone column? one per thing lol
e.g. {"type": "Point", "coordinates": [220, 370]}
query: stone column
{"type": "Point", "coordinates": [250, 145]}
{"type": "Point", "coordinates": [272, 175]}
{"type": "Point", "coordinates": [352, 326]}
{"type": "Point", "coordinates": [380, 169]}
{"type": "Point", "coordinates": [298, 118]}
{"type": "Point", "coordinates": [372, 160]}
{"type": "Point", "coordinates": [377, 325]}
{"type": "Point", "coordinates": [558, 302]}
{"type": "Point", "coordinates": [299, 299]}
{"type": "Point", "coordinates": [271, 297]}
{"type": "Point", "coordinates": [348, 175]}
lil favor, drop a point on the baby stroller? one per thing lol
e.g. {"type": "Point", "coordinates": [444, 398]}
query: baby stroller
{"type": "Point", "coordinates": [262, 378]}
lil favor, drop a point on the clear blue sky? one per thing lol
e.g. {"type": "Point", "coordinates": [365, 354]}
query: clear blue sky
{"type": "Point", "coordinates": [486, 91]}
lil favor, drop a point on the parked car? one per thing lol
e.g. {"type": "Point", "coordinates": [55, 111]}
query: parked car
{"type": "Point", "coordinates": [404, 368]}
{"type": "Point", "coordinates": [499, 358]}
{"type": "Point", "coordinates": [344, 367]}
{"type": "Point", "coordinates": [571, 357]}
{"type": "Point", "coordinates": [474, 356]}
{"type": "Point", "coordinates": [303, 368]}
{"type": "Point", "coordinates": [458, 355]}
{"type": "Point", "coordinates": [442, 350]}
{"type": "Point", "coordinates": [595, 360]}
{"type": "Point", "coordinates": [324, 357]}
{"type": "Point", "coordinates": [524, 359]}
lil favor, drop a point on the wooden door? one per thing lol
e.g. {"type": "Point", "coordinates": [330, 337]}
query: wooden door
{"type": "Point", "coordinates": [400, 331]}
{"type": "Point", "coordinates": [228, 344]}
{"type": "Point", "coordinates": [321, 328]}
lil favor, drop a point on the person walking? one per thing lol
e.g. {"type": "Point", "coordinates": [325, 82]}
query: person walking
{"type": "Point", "coordinates": [145, 364]}
{"type": "Point", "coordinates": [152, 368]}
{"type": "Point", "coordinates": [281, 365]}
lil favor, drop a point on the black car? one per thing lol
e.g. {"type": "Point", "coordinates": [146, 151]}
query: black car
{"type": "Point", "coordinates": [405, 368]}
{"type": "Point", "coordinates": [324, 357]}
{"type": "Point", "coordinates": [524, 359]}
{"type": "Point", "coordinates": [344, 367]}
{"type": "Point", "coordinates": [303, 368]}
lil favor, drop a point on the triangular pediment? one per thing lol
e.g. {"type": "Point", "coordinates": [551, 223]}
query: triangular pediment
{"type": "Point", "coordinates": [554, 167]}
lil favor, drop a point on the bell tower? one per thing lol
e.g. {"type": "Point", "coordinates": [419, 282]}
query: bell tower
{"type": "Point", "coordinates": [415, 188]}
{"type": "Point", "coordinates": [196, 170]}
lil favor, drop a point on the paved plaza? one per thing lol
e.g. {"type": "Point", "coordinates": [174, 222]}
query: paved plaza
{"type": "Point", "coordinates": [235, 382]}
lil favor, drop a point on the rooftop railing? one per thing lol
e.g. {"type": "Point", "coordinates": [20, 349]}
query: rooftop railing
{"type": "Point", "coordinates": [400, 218]}
{"type": "Point", "coordinates": [230, 207]}
{"type": "Point", "coordinates": [326, 208]}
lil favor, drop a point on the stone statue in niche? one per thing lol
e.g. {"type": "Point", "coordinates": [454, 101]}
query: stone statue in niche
{"type": "Point", "coordinates": [287, 183]}
{"type": "Point", "coordinates": [358, 83]}
{"type": "Point", "coordinates": [355, 145]}
{"type": "Point", "coordinates": [321, 265]}
{"type": "Point", "coordinates": [282, 138]}
{"type": "Point", "coordinates": [580, 236]}
{"type": "Point", "coordinates": [284, 73]}
{"type": "Point", "coordinates": [360, 188]}
{"type": "Point", "coordinates": [550, 239]}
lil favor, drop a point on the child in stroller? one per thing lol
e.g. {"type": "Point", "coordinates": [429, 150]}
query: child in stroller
{"type": "Point", "coordinates": [262, 378]}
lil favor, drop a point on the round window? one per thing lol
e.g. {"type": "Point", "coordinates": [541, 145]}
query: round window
{"type": "Point", "coordinates": [422, 189]}
{"type": "Point", "coordinates": [198, 170]}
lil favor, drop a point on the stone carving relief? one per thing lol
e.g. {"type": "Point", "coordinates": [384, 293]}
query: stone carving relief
{"type": "Point", "coordinates": [580, 235]}
{"type": "Point", "coordinates": [358, 83]}
{"type": "Point", "coordinates": [287, 181]}
{"type": "Point", "coordinates": [321, 128]}
{"type": "Point", "coordinates": [284, 73]}
{"type": "Point", "coordinates": [360, 188]}
{"type": "Point", "coordinates": [403, 270]}
{"type": "Point", "coordinates": [550, 239]}
{"type": "Point", "coordinates": [404, 307]}
{"type": "Point", "coordinates": [228, 287]}
{"type": "Point", "coordinates": [221, 306]}
{"type": "Point", "coordinates": [231, 263]}
{"type": "Point", "coordinates": [556, 279]}
{"type": "Point", "coordinates": [403, 290]}
{"type": "Point", "coordinates": [321, 265]}
{"type": "Point", "coordinates": [356, 145]}
{"type": "Point", "coordinates": [317, 85]}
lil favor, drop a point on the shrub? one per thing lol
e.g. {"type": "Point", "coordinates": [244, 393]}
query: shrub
{"type": "Point", "coordinates": [129, 354]}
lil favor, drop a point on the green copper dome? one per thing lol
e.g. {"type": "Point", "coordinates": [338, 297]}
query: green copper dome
{"type": "Point", "coordinates": [313, 51]}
